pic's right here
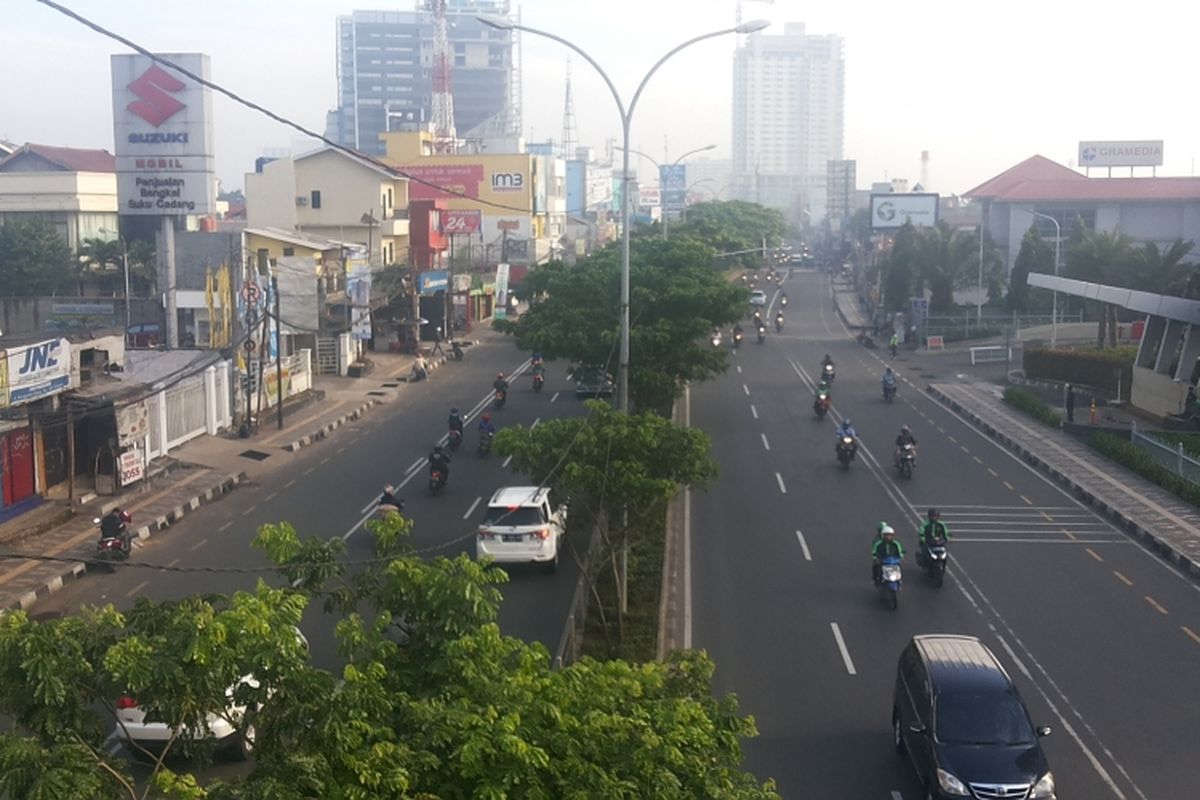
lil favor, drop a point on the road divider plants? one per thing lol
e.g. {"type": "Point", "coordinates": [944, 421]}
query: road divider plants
{"type": "Point", "coordinates": [1137, 460]}
{"type": "Point", "coordinates": [1032, 405]}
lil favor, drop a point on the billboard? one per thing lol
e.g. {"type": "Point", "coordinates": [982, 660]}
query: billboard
{"type": "Point", "coordinates": [358, 289]}
{"type": "Point", "coordinates": [456, 221]}
{"type": "Point", "coordinates": [35, 371]}
{"type": "Point", "coordinates": [461, 178]}
{"type": "Point", "coordinates": [501, 307]}
{"type": "Point", "coordinates": [1147, 153]}
{"type": "Point", "coordinates": [892, 210]}
{"type": "Point", "coordinates": [502, 179]}
{"type": "Point", "coordinates": [162, 124]}
{"type": "Point", "coordinates": [673, 180]}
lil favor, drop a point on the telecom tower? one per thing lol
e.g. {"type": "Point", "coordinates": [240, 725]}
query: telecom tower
{"type": "Point", "coordinates": [445, 139]}
{"type": "Point", "coordinates": [569, 142]}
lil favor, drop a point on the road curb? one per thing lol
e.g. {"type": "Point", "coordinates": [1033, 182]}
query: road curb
{"type": "Point", "coordinates": [1147, 536]}
{"type": "Point", "coordinates": [327, 428]}
{"type": "Point", "coordinates": [79, 569]}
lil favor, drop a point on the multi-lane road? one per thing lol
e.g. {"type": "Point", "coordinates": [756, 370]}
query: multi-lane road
{"type": "Point", "coordinates": [1093, 628]}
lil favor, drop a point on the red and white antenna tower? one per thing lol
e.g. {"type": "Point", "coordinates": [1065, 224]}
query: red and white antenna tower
{"type": "Point", "coordinates": [445, 139]}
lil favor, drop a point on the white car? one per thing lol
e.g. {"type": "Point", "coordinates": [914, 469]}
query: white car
{"type": "Point", "coordinates": [141, 736]}
{"type": "Point", "coordinates": [521, 524]}
{"type": "Point", "coordinates": [758, 298]}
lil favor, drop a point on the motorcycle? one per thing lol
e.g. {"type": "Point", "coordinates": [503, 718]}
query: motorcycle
{"type": "Point", "coordinates": [454, 438]}
{"type": "Point", "coordinates": [485, 444]}
{"type": "Point", "coordinates": [783, 301]}
{"type": "Point", "coordinates": [890, 580]}
{"type": "Point", "coordinates": [846, 448]}
{"type": "Point", "coordinates": [716, 340]}
{"type": "Point", "coordinates": [762, 335]}
{"type": "Point", "coordinates": [906, 460]}
{"type": "Point", "coordinates": [779, 324]}
{"type": "Point", "coordinates": [437, 480]}
{"type": "Point", "coordinates": [500, 398]}
{"type": "Point", "coordinates": [935, 562]}
{"type": "Point", "coordinates": [889, 392]}
{"type": "Point", "coordinates": [737, 339]}
{"type": "Point", "coordinates": [112, 550]}
{"type": "Point", "coordinates": [456, 351]}
{"type": "Point", "coordinates": [821, 404]}
{"type": "Point", "coordinates": [892, 349]}
{"type": "Point", "coordinates": [538, 381]}
{"type": "Point", "coordinates": [827, 373]}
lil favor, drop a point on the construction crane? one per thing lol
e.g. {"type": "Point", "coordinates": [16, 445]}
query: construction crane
{"type": "Point", "coordinates": [445, 138]}
{"type": "Point", "coordinates": [739, 7]}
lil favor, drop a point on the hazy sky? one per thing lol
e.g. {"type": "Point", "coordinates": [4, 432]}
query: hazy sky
{"type": "Point", "coordinates": [979, 85]}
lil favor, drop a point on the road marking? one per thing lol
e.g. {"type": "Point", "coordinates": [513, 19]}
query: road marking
{"type": "Point", "coordinates": [325, 460]}
{"type": "Point", "coordinates": [137, 589]}
{"type": "Point", "coordinates": [289, 483]}
{"type": "Point", "coordinates": [223, 527]}
{"type": "Point", "coordinates": [1155, 605]}
{"type": "Point", "coordinates": [739, 367]}
{"type": "Point", "coordinates": [1008, 485]}
{"type": "Point", "coordinates": [173, 563]}
{"type": "Point", "coordinates": [746, 389]}
{"type": "Point", "coordinates": [1122, 578]}
{"type": "Point", "coordinates": [270, 497]}
{"type": "Point", "coordinates": [309, 470]}
{"type": "Point", "coordinates": [198, 544]}
{"type": "Point", "coordinates": [1047, 516]}
{"type": "Point", "coordinates": [1070, 535]}
{"type": "Point", "coordinates": [506, 463]}
{"type": "Point", "coordinates": [978, 460]}
{"type": "Point", "coordinates": [804, 546]}
{"type": "Point", "coordinates": [896, 795]}
{"type": "Point", "coordinates": [779, 478]}
{"type": "Point", "coordinates": [993, 472]}
{"type": "Point", "coordinates": [754, 410]}
{"type": "Point", "coordinates": [249, 511]}
{"type": "Point", "coordinates": [414, 466]}
{"type": "Point", "coordinates": [339, 450]}
{"type": "Point", "coordinates": [1095, 555]}
{"type": "Point", "coordinates": [1028, 502]}
{"type": "Point", "coordinates": [472, 508]}
{"type": "Point", "coordinates": [963, 447]}
{"type": "Point", "coordinates": [1195, 636]}
{"type": "Point", "coordinates": [841, 643]}
{"type": "Point", "coordinates": [555, 397]}
{"type": "Point", "coordinates": [535, 423]}
{"type": "Point", "coordinates": [766, 445]}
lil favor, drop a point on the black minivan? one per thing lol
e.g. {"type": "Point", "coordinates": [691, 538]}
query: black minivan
{"type": "Point", "coordinates": [964, 726]}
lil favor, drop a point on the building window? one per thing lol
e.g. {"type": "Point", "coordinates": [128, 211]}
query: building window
{"type": "Point", "coordinates": [289, 251]}
{"type": "Point", "coordinates": [315, 199]}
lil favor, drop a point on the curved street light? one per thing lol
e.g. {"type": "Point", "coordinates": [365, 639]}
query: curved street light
{"type": "Point", "coordinates": [626, 119]}
{"type": "Point", "coordinates": [671, 167]}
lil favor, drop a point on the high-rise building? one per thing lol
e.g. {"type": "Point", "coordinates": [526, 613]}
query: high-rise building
{"type": "Point", "coordinates": [385, 74]}
{"type": "Point", "coordinates": [788, 119]}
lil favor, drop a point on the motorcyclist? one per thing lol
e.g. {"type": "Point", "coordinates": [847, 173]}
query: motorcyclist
{"type": "Point", "coordinates": [439, 460]}
{"type": "Point", "coordinates": [737, 331]}
{"type": "Point", "coordinates": [783, 301]}
{"type": "Point", "coordinates": [934, 531]}
{"type": "Point", "coordinates": [905, 437]}
{"type": "Point", "coordinates": [486, 426]}
{"type": "Point", "coordinates": [455, 421]}
{"type": "Point", "coordinates": [827, 360]}
{"type": "Point", "coordinates": [778, 320]}
{"type": "Point", "coordinates": [885, 545]}
{"type": "Point", "coordinates": [500, 384]}
{"type": "Point", "coordinates": [536, 358]}
{"type": "Point", "coordinates": [889, 378]}
{"type": "Point", "coordinates": [112, 524]}
{"type": "Point", "coordinates": [894, 343]}
{"type": "Point", "coordinates": [388, 500]}
{"type": "Point", "coordinates": [844, 430]}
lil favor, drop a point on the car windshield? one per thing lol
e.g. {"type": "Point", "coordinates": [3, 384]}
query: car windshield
{"type": "Point", "coordinates": [973, 719]}
{"type": "Point", "coordinates": [502, 515]}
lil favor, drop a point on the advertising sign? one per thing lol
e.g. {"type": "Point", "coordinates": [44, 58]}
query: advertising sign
{"type": "Point", "coordinates": [456, 222]}
{"type": "Point", "coordinates": [432, 282]}
{"type": "Point", "coordinates": [1147, 153]}
{"type": "Point", "coordinates": [461, 179]}
{"type": "Point", "coordinates": [892, 210]}
{"type": "Point", "coordinates": [508, 237]}
{"type": "Point", "coordinates": [358, 290]}
{"type": "Point", "coordinates": [162, 122]}
{"type": "Point", "coordinates": [133, 423]}
{"type": "Point", "coordinates": [133, 466]}
{"type": "Point", "coordinates": [673, 180]}
{"type": "Point", "coordinates": [35, 371]}
{"type": "Point", "coordinates": [501, 310]}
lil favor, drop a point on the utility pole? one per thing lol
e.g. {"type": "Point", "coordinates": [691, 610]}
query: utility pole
{"type": "Point", "coordinates": [278, 354]}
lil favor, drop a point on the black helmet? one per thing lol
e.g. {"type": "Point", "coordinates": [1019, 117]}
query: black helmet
{"type": "Point", "coordinates": [934, 513]}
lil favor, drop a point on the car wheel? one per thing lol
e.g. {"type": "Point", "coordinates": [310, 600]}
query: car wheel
{"type": "Point", "coordinates": [897, 736]}
{"type": "Point", "coordinates": [551, 566]}
{"type": "Point", "coordinates": [243, 744]}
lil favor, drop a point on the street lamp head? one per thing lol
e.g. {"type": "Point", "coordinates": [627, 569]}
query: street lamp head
{"type": "Point", "coordinates": [753, 26]}
{"type": "Point", "coordinates": [498, 24]}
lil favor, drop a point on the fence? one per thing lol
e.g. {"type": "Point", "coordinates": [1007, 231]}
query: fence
{"type": "Point", "coordinates": [295, 373]}
{"type": "Point", "coordinates": [1173, 458]}
{"type": "Point", "coordinates": [966, 326]}
{"type": "Point", "coordinates": [193, 407]}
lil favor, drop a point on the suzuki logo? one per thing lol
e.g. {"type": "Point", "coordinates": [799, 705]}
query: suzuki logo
{"type": "Point", "coordinates": [155, 105]}
{"type": "Point", "coordinates": [39, 357]}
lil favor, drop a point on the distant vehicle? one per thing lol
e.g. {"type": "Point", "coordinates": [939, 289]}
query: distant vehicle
{"type": "Point", "coordinates": [146, 334]}
{"type": "Point", "coordinates": [758, 298]}
{"type": "Point", "coordinates": [592, 382]}
{"type": "Point", "coordinates": [522, 524]}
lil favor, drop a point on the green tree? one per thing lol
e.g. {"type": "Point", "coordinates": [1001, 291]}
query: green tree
{"type": "Point", "coordinates": [1103, 257]}
{"type": "Point", "coordinates": [734, 226]}
{"type": "Point", "coordinates": [34, 259]}
{"type": "Point", "coordinates": [1161, 269]}
{"type": "Point", "coordinates": [675, 300]}
{"type": "Point", "coordinates": [947, 259]}
{"type": "Point", "coordinates": [429, 701]}
{"type": "Point", "coordinates": [900, 268]}
{"type": "Point", "coordinates": [608, 464]}
{"type": "Point", "coordinates": [1035, 255]}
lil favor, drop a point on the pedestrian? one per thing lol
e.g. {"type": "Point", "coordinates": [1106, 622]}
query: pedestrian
{"type": "Point", "coordinates": [437, 341]}
{"type": "Point", "coordinates": [1070, 403]}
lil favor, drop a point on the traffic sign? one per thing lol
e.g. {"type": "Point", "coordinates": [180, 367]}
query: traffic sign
{"type": "Point", "coordinates": [251, 293]}
{"type": "Point", "coordinates": [249, 345]}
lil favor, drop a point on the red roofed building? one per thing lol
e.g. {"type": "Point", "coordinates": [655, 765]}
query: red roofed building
{"type": "Point", "coordinates": [1158, 210]}
{"type": "Point", "coordinates": [73, 189]}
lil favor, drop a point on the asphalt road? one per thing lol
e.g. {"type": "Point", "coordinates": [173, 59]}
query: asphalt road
{"type": "Point", "coordinates": [1099, 634]}
{"type": "Point", "coordinates": [329, 486]}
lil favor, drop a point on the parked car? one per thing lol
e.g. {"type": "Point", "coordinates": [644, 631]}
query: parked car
{"type": "Point", "coordinates": [958, 716]}
{"type": "Point", "coordinates": [522, 524]}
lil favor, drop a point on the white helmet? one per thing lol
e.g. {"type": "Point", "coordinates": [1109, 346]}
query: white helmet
{"type": "Point", "coordinates": [886, 529]}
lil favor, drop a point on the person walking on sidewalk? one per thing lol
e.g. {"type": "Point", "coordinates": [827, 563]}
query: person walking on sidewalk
{"type": "Point", "coordinates": [1070, 403]}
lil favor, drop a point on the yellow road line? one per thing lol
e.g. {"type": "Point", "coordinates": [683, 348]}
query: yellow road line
{"type": "Point", "coordinates": [1122, 578]}
{"type": "Point", "coordinates": [1047, 516]}
{"type": "Point", "coordinates": [1094, 554]}
{"type": "Point", "coordinates": [1195, 636]}
{"type": "Point", "coordinates": [1071, 536]}
{"type": "Point", "coordinates": [1155, 604]}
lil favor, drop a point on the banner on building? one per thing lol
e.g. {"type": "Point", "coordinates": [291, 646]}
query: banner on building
{"type": "Point", "coordinates": [358, 292]}
{"type": "Point", "coordinates": [432, 282]}
{"type": "Point", "coordinates": [35, 371]}
{"type": "Point", "coordinates": [501, 310]}
{"type": "Point", "coordinates": [133, 423]}
{"type": "Point", "coordinates": [133, 466]}
{"type": "Point", "coordinates": [455, 222]}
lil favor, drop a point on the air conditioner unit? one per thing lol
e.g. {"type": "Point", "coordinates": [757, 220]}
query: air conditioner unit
{"type": "Point", "coordinates": [301, 200]}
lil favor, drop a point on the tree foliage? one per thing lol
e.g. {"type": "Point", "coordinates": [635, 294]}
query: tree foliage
{"type": "Point", "coordinates": [34, 259]}
{"type": "Point", "coordinates": [675, 300]}
{"type": "Point", "coordinates": [733, 226]}
{"type": "Point", "coordinates": [1035, 255]}
{"type": "Point", "coordinates": [429, 701]}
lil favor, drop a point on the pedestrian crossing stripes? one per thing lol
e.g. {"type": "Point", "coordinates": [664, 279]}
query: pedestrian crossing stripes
{"type": "Point", "coordinates": [1027, 524]}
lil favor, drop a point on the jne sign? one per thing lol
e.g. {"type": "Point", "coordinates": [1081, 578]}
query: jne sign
{"type": "Point", "coordinates": [37, 371]}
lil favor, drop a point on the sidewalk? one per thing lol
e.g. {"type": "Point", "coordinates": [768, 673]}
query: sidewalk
{"type": "Point", "coordinates": [202, 470]}
{"type": "Point", "coordinates": [847, 305]}
{"type": "Point", "coordinates": [1165, 523]}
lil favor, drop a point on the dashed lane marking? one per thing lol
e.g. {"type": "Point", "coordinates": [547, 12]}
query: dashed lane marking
{"type": "Point", "coordinates": [224, 527]}
{"type": "Point", "coordinates": [198, 544]}
{"type": "Point", "coordinates": [1195, 636]}
{"type": "Point", "coordinates": [978, 460]}
{"type": "Point", "coordinates": [137, 588]}
{"type": "Point", "coordinates": [1008, 486]}
{"type": "Point", "coordinates": [1154, 604]}
{"type": "Point", "coordinates": [555, 397]}
{"type": "Point", "coordinates": [1069, 534]}
{"type": "Point", "coordinates": [507, 461]}
{"type": "Point", "coordinates": [325, 460]}
{"type": "Point", "coordinates": [739, 369]}
{"type": "Point", "coordinates": [766, 444]}
{"type": "Point", "coordinates": [173, 563]}
{"type": "Point", "coordinates": [993, 472]}
{"type": "Point", "coordinates": [963, 447]}
{"type": "Point", "coordinates": [249, 511]}
{"type": "Point", "coordinates": [746, 389]}
{"type": "Point", "coordinates": [779, 478]}
{"type": "Point", "coordinates": [289, 483]}
{"type": "Point", "coordinates": [1095, 555]}
{"type": "Point", "coordinates": [309, 471]}
{"type": "Point", "coordinates": [841, 643]}
{"type": "Point", "coordinates": [754, 411]}
{"type": "Point", "coordinates": [804, 546]}
{"type": "Point", "coordinates": [1122, 578]}
{"type": "Point", "coordinates": [472, 508]}
{"type": "Point", "coordinates": [1047, 516]}
{"type": "Point", "coordinates": [951, 438]}
{"type": "Point", "coordinates": [535, 423]}
{"type": "Point", "coordinates": [1028, 502]}
{"type": "Point", "coordinates": [270, 497]}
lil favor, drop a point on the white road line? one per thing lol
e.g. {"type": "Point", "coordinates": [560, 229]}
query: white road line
{"type": "Point", "coordinates": [270, 497]}
{"type": "Point", "coordinates": [779, 478]}
{"type": "Point", "coordinates": [199, 544]}
{"type": "Point", "coordinates": [535, 423]}
{"type": "Point", "coordinates": [841, 643]}
{"type": "Point", "coordinates": [137, 589]}
{"type": "Point", "coordinates": [225, 526]}
{"type": "Point", "coordinates": [739, 367]}
{"type": "Point", "coordinates": [804, 546]}
{"type": "Point", "coordinates": [896, 795]}
{"type": "Point", "coordinates": [746, 389]}
{"type": "Point", "coordinates": [766, 444]}
{"type": "Point", "coordinates": [415, 465]}
{"type": "Point", "coordinates": [754, 410]}
{"type": "Point", "coordinates": [478, 500]}
{"type": "Point", "coordinates": [506, 463]}
{"type": "Point", "coordinates": [289, 483]}
{"type": "Point", "coordinates": [555, 397]}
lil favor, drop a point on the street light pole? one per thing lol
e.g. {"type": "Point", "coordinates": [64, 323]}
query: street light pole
{"type": "Point", "coordinates": [1054, 294]}
{"type": "Point", "coordinates": [671, 168]}
{"type": "Point", "coordinates": [626, 119]}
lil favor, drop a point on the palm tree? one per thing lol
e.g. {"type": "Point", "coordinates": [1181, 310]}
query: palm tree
{"type": "Point", "coordinates": [1161, 270]}
{"type": "Point", "coordinates": [1103, 257]}
{"type": "Point", "coordinates": [945, 255]}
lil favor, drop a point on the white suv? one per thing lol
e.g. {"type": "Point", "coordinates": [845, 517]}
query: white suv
{"type": "Point", "coordinates": [521, 524]}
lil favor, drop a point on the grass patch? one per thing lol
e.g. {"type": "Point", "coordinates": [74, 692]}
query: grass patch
{"type": "Point", "coordinates": [1031, 404]}
{"type": "Point", "coordinates": [640, 642]}
{"type": "Point", "coordinates": [1134, 458]}
{"type": "Point", "coordinates": [1190, 441]}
